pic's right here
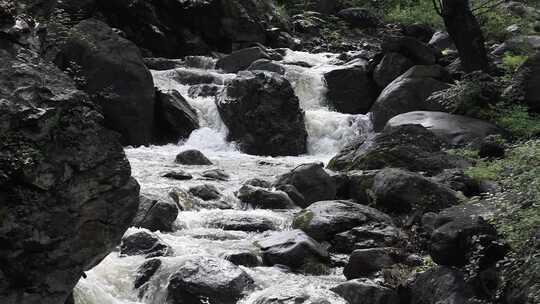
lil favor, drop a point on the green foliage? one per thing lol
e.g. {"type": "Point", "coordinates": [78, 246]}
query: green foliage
{"type": "Point", "coordinates": [420, 11]}
{"type": "Point", "coordinates": [303, 220]}
{"type": "Point", "coordinates": [495, 21]}
{"type": "Point", "coordinates": [516, 119]}
{"type": "Point", "coordinates": [518, 204]}
{"type": "Point", "coordinates": [512, 61]}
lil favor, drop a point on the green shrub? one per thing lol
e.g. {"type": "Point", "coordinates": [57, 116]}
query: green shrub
{"type": "Point", "coordinates": [517, 120]}
{"type": "Point", "coordinates": [512, 61]}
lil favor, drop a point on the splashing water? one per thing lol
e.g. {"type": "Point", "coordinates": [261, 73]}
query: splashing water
{"type": "Point", "coordinates": [111, 282]}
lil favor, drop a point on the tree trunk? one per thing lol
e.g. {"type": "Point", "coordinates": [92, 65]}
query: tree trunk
{"type": "Point", "coordinates": [464, 29]}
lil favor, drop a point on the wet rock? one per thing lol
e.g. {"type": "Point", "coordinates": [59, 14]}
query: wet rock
{"type": "Point", "coordinates": [264, 199]}
{"type": "Point", "coordinates": [206, 192]}
{"type": "Point", "coordinates": [367, 236]}
{"type": "Point", "coordinates": [203, 279]}
{"type": "Point", "coordinates": [312, 181]}
{"type": "Point", "coordinates": [418, 52]}
{"type": "Point", "coordinates": [365, 262]}
{"type": "Point", "coordinates": [247, 223]}
{"type": "Point", "coordinates": [294, 249]}
{"type": "Point", "coordinates": [409, 93]}
{"type": "Point", "coordinates": [399, 191]}
{"type": "Point", "coordinates": [162, 64]}
{"type": "Point", "coordinates": [188, 202]}
{"type": "Point", "coordinates": [360, 17]}
{"type": "Point", "coordinates": [391, 67]}
{"type": "Point", "coordinates": [192, 157]}
{"type": "Point", "coordinates": [66, 191]}
{"type": "Point", "coordinates": [145, 272]}
{"type": "Point", "coordinates": [244, 258]}
{"type": "Point", "coordinates": [293, 193]}
{"type": "Point", "coordinates": [360, 184]}
{"type": "Point", "coordinates": [241, 59]}
{"type": "Point", "coordinates": [284, 294]}
{"type": "Point", "coordinates": [462, 235]}
{"type": "Point", "coordinates": [144, 243]}
{"type": "Point", "coordinates": [178, 175]}
{"type": "Point", "coordinates": [351, 89]}
{"type": "Point", "coordinates": [155, 214]}
{"type": "Point", "coordinates": [263, 124]}
{"type": "Point", "coordinates": [257, 182]}
{"type": "Point", "coordinates": [216, 174]}
{"type": "Point", "coordinates": [175, 118]}
{"type": "Point", "coordinates": [410, 147]}
{"type": "Point", "coordinates": [323, 220]}
{"type": "Point", "coordinates": [267, 65]}
{"type": "Point", "coordinates": [114, 73]}
{"type": "Point", "coordinates": [364, 291]}
{"type": "Point", "coordinates": [204, 90]}
{"type": "Point", "coordinates": [457, 180]}
{"type": "Point", "coordinates": [455, 130]}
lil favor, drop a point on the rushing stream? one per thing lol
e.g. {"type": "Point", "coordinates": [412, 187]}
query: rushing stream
{"type": "Point", "coordinates": [111, 282]}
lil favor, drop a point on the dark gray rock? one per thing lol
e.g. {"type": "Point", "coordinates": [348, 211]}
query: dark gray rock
{"type": "Point", "coordinates": [264, 199]}
{"type": "Point", "coordinates": [408, 93]}
{"type": "Point", "coordinates": [162, 64]}
{"type": "Point", "coordinates": [216, 174]}
{"type": "Point", "coordinates": [366, 236]}
{"type": "Point", "coordinates": [66, 191]}
{"type": "Point", "coordinates": [240, 222]}
{"type": "Point", "coordinates": [241, 59]}
{"type": "Point", "coordinates": [441, 41]}
{"type": "Point", "coordinates": [458, 180]}
{"type": "Point", "coordinates": [267, 65]}
{"type": "Point", "coordinates": [525, 86]}
{"type": "Point", "coordinates": [364, 291]}
{"type": "Point", "coordinates": [366, 262]}
{"type": "Point", "coordinates": [323, 220]}
{"type": "Point", "coordinates": [206, 192]}
{"type": "Point", "coordinates": [263, 124]}
{"type": "Point", "coordinates": [284, 294]}
{"type": "Point", "coordinates": [455, 130]}
{"type": "Point", "coordinates": [410, 147]}
{"type": "Point", "coordinates": [146, 244]}
{"type": "Point", "coordinates": [205, 279]}
{"type": "Point", "coordinates": [192, 157]}
{"type": "Point", "coordinates": [439, 285]}
{"type": "Point", "coordinates": [414, 49]}
{"type": "Point", "coordinates": [391, 67]}
{"type": "Point", "coordinates": [115, 75]}
{"type": "Point", "coordinates": [294, 249]}
{"type": "Point", "coordinates": [174, 117]}
{"type": "Point", "coordinates": [146, 271]}
{"type": "Point", "coordinates": [293, 193]}
{"type": "Point", "coordinates": [190, 202]}
{"type": "Point", "coordinates": [257, 182]}
{"type": "Point", "coordinates": [244, 258]}
{"type": "Point", "coordinates": [155, 214]}
{"type": "Point", "coordinates": [178, 175]}
{"type": "Point", "coordinates": [351, 89]}
{"type": "Point", "coordinates": [399, 191]}
{"type": "Point", "coordinates": [312, 181]}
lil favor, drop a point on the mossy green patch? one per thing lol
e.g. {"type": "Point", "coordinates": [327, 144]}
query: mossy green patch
{"type": "Point", "coordinates": [303, 219]}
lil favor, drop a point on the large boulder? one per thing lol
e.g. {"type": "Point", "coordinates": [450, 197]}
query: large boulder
{"type": "Point", "coordinates": [65, 184]}
{"type": "Point", "coordinates": [371, 235]}
{"type": "Point", "coordinates": [392, 66]}
{"type": "Point", "coordinates": [241, 59]}
{"type": "Point", "coordinates": [112, 71]}
{"type": "Point", "coordinates": [206, 279]}
{"type": "Point", "coordinates": [364, 291]}
{"type": "Point", "coordinates": [365, 262]}
{"type": "Point", "coordinates": [525, 86]}
{"type": "Point", "coordinates": [409, 93]}
{"type": "Point", "coordinates": [351, 89]}
{"type": "Point", "coordinates": [294, 249]}
{"type": "Point", "coordinates": [192, 158]}
{"type": "Point", "coordinates": [323, 220]}
{"type": "Point", "coordinates": [263, 114]}
{"type": "Point", "coordinates": [360, 17]}
{"type": "Point", "coordinates": [414, 49]}
{"type": "Point", "coordinates": [462, 235]}
{"type": "Point", "coordinates": [399, 191]}
{"type": "Point", "coordinates": [155, 214]}
{"type": "Point", "coordinates": [175, 118]}
{"type": "Point", "coordinates": [145, 244]}
{"type": "Point", "coordinates": [175, 29]}
{"type": "Point", "coordinates": [410, 147]}
{"type": "Point", "coordinates": [312, 181]}
{"type": "Point", "coordinates": [439, 285]}
{"type": "Point", "coordinates": [455, 130]}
